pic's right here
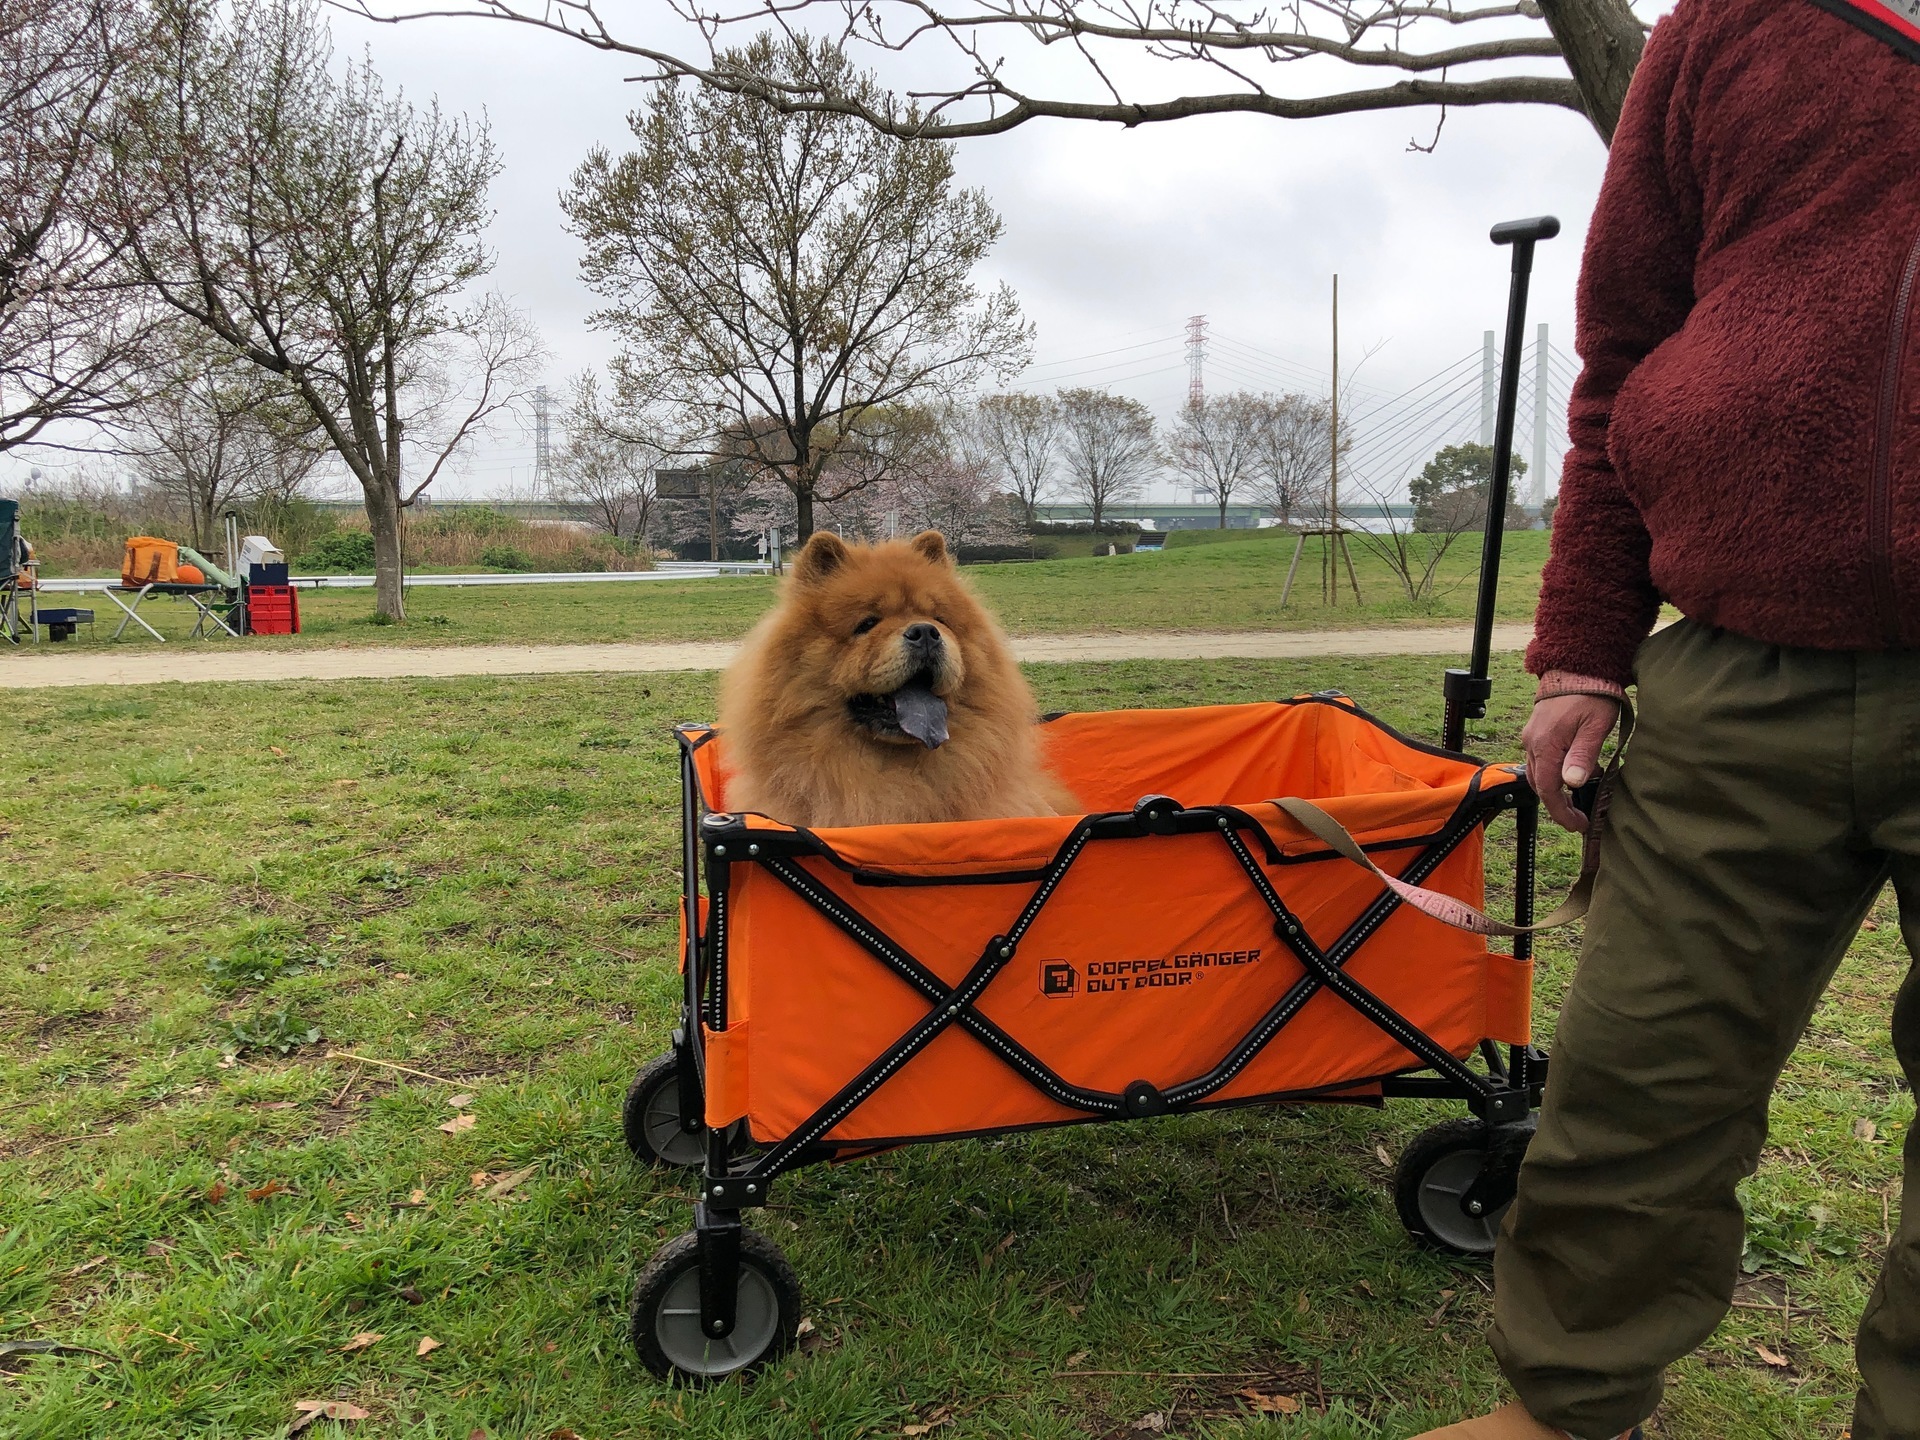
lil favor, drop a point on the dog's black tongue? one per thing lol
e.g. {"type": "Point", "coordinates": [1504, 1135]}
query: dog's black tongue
{"type": "Point", "coordinates": [921, 714]}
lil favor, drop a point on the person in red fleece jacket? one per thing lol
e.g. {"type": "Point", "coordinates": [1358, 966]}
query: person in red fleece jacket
{"type": "Point", "coordinates": [1746, 448]}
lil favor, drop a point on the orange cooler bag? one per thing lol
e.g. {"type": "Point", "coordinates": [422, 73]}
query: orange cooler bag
{"type": "Point", "coordinates": [1145, 970]}
{"type": "Point", "coordinates": [149, 561]}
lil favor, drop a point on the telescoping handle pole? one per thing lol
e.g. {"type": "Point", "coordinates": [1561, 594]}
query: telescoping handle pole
{"type": "Point", "coordinates": [1467, 690]}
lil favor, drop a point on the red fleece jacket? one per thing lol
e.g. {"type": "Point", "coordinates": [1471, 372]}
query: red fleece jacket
{"type": "Point", "coordinates": [1746, 429]}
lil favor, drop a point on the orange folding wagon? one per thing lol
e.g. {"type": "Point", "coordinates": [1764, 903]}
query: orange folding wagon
{"type": "Point", "coordinates": [1201, 937]}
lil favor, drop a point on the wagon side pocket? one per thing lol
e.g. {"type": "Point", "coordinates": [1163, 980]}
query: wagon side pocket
{"type": "Point", "coordinates": [1509, 995]}
{"type": "Point", "coordinates": [726, 1073]}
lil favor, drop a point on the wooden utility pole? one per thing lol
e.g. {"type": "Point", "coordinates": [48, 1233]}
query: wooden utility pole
{"type": "Point", "coordinates": [1336, 551]}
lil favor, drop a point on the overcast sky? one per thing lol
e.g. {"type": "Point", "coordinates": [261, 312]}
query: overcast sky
{"type": "Point", "coordinates": [1112, 237]}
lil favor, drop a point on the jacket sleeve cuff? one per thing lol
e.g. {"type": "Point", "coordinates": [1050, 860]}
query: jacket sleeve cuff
{"type": "Point", "coordinates": [1556, 683]}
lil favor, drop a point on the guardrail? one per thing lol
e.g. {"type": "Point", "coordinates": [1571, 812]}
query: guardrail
{"type": "Point", "coordinates": [666, 570]}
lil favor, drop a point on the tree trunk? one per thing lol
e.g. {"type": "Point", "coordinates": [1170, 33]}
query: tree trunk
{"type": "Point", "coordinates": [1223, 512]}
{"type": "Point", "coordinates": [383, 518]}
{"type": "Point", "coordinates": [1602, 41]}
{"type": "Point", "coordinates": [803, 502]}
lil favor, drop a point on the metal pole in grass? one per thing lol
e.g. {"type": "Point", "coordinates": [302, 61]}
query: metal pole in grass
{"type": "Point", "coordinates": [1467, 690]}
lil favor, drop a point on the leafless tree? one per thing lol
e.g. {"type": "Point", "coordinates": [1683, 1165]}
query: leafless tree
{"type": "Point", "coordinates": [214, 430]}
{"type": "Point", "coordinates": [1107, 448]}
{"type": "Point", "coordinates": [72, 327]}
{"type": "Point", "coordinates": [329, 235]}
{"type": "Point", "coordinates": [1020, 433]}
{"type": "Point", "coordinates": [1218, 445]}
{"type": "Point", "coordinates": [1410, 552]}
{"type": "Point", "coordinates": [1293, 454]}
{"type": "Point", "coordinates": [608, 460]}
{"type": "Point", "coordinates": [1575, 54]}
{"type": "Point", "coordinates": [795, 279]}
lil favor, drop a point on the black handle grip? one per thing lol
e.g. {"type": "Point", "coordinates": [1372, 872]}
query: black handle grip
{"type": "Point", "coordinates": [1585, 795]}
{"type": "Point", "coordinates": [1539, 227]}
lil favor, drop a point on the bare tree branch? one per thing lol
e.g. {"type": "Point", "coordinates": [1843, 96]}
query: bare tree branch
{"type": "Point", "coordinates": [72, 324]}
{"type": "Point", "coordinates": [1572, 54]}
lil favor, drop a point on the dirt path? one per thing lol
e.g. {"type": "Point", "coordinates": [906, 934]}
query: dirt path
{"type": "Point", "coordinates": [152, 666]}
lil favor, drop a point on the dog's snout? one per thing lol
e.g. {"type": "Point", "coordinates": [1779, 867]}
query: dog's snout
{"type": "Point", "coordinates": [922, 636]}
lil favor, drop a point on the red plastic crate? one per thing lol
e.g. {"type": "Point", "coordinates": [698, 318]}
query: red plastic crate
{"type": "Point", "coordinates": [273, 610]}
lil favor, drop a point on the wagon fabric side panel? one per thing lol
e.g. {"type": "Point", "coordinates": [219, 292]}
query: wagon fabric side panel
{"type": "Point", "coordinates": [1151, 958]}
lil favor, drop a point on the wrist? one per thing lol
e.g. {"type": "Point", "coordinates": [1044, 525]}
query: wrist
{"type": "Point", "coordinates": [1557, 683]}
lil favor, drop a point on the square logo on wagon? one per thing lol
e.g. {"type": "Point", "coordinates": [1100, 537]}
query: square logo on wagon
{"type": "Point", "coordinates": [1058, 979]}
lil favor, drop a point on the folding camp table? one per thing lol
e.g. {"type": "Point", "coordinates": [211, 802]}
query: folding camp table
{"type": "Point", "coordinates": [1201, 936]}
{"type": "Point", "coordinates": [208, 602]}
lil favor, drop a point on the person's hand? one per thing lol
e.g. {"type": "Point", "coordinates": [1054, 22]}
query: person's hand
{"type": "Point", "coordinates": [1562, 743]}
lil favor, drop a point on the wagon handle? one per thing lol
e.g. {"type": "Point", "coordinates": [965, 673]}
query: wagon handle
{"type": "Point", "coordinates": [1467, 690]}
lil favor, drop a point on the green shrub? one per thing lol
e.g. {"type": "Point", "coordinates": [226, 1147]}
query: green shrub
{"type": "Point", "coordinates": [506, 557]}
{"type": "Point", "coordinates": [344, 550]}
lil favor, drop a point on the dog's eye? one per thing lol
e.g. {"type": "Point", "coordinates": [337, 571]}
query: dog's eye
{"type": "Point", "coordinates": [866, 624]}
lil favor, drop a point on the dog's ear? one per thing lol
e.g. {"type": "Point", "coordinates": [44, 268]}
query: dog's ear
{"type": "Point", "coordinates": [931, 545]}
{"type": "Point", "coordinates": [824, 553]}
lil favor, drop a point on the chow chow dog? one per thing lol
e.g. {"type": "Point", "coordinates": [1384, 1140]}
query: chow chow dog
{"type": "Point", "coordinates": [879, 691]}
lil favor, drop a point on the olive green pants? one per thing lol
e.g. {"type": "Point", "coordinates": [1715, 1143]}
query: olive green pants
{"type": "Point", "coordinates": [1767, 797]}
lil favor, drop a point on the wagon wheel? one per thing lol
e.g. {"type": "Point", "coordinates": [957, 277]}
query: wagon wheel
{"type": "Point", "coordinates": [651, 1117]}
{"type": "Point", "coordinates": [666, 1311]}
{"type": "Point", "coordinates": [1434, 1172]}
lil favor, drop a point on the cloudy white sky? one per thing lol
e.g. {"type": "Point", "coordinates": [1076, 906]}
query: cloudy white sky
{"type": "Point", "coordinates": [1112, 237]}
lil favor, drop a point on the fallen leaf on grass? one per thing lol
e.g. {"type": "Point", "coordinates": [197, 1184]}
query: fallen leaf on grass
{"type": "Point", "coordinates": [159, 1249]}
{"type": "Point", "coordinates": [1266, 1404]}
{"type": "Point", "coordinates": [987, 1259]}
{"type": "Point", "coordinates": [85, 1265]}
{"type": "Point", "coordinates": [1076, 1358]}
{"type": "Point", "coordinates": [1778, 1361]}
{"type": "Point", "coordinates": [426, 1346]}
{"type": "Point", "coordinates": [278, 751]}
{"type": "Point", "coordinates": [476, 1434]}
{"type": "Point", "coordinates": [1152, 1423]}
{"type": "Point", "coordinates": [216, 1192]}
{"type": "Point", "coordinates": [811, 1339]}
{"type": "Point", "coordinates": [312, 1410]}
{"type": "Point", "coordinates": [479, 1178]}
{"type": "Point", "coordinates": [267, 1191]}
{"type": "Point", "coordinates": [505, 1184]}
{"type": "Point", "coordinates": [459, 1123]}
{"type": "Point", "coordinates": [418, 1197]}
{"type": "Point", "coordinates": [563, 1433]}
{"type": "Point", "coordinates": [1302, 1305]}
{"type": "Point", "coordinates": [278, 1105]}
{"type": "Point", "coordinates": [344, 784]}
{"type": "Point", "coordinates": [938, 1416]}
{"type": "Point", "coordinates": [412, 1297]}
{"type": "Point", "coordinates": [1864, 1129]}
{"type": "Point", "coordinates": [362, 1341]}
{"type": "Point", "coordinates": [459, 1102]}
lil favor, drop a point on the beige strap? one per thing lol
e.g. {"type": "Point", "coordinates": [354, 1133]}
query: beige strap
{"type": "Point", "coordinates": [1448, 909]}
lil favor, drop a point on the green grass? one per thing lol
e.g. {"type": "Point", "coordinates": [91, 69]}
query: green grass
{"type": "Point", "coordinates": [473, 878]}
{"type": "Point", "coordinates": [1232, 585]}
